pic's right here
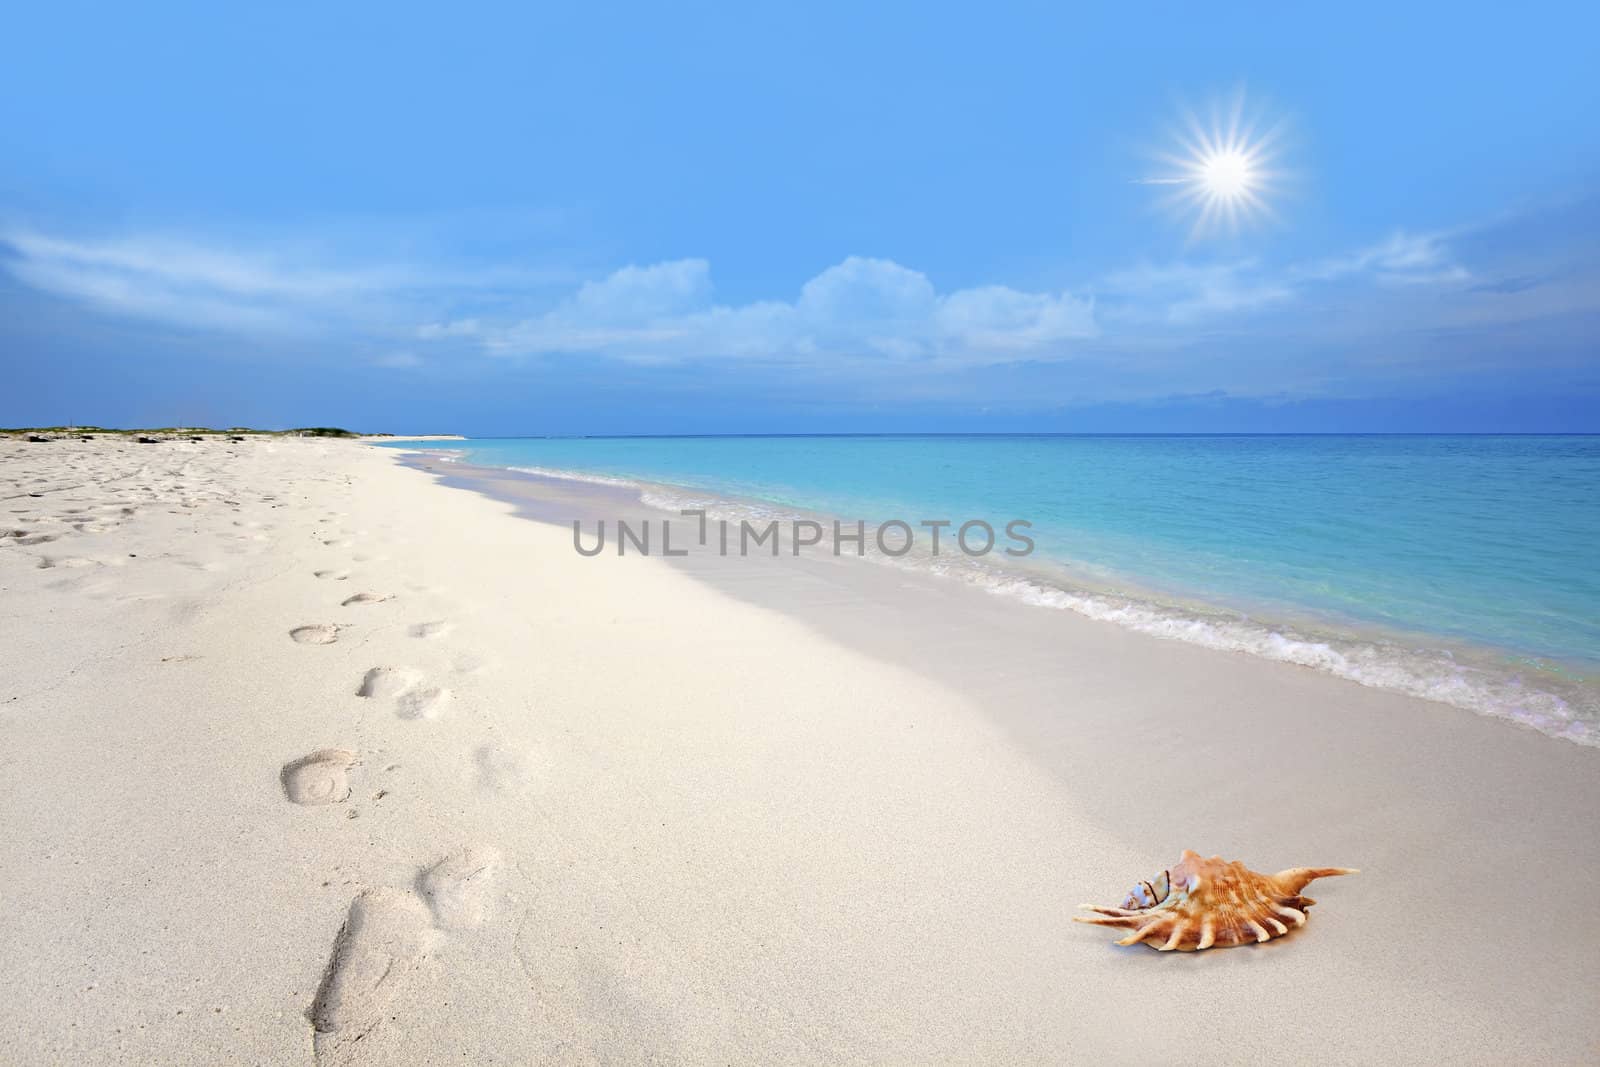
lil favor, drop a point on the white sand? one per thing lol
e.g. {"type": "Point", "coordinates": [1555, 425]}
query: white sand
{"type": "Point", "coordinates": [601, 811]}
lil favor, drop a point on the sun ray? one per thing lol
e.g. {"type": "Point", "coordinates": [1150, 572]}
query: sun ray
{"type": "Point", "coordinates": [1224, 172]}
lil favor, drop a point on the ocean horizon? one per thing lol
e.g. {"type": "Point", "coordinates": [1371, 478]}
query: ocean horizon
{"type": "Point", "coordinates": [1456, 567]}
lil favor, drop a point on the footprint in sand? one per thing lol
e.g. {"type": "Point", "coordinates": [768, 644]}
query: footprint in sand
{"type": "Point", "coordinates": [431, 629]}
{"type": "Point", "coordinates": [315, 634]}
{"type": "Point", "coordinates": [502, 768]}
{"type": "Point", "coordinates": [336, 576]}
{"type": "Point", "coordinates": [426, 702]}
{"type": "Point", "coordinates": [366, 598]}
{"type": "Point", "coordinates": [412, 699]}
{"type": "Point", "coordinates": [383, 940]}
{"type": "Point", "coordinates": [387, 682]}
{"type": "Point", "coordinates": [320, 778]}
{"type": "Point", "coordinates": [48, 562]}
{"type": "Point", "coordinates": [458, 887]}
{"type": "Point", "coordinates": [499, 768]}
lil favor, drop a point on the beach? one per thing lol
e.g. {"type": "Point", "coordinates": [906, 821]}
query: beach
{"type": "Point", "coordinates": [317, 752]}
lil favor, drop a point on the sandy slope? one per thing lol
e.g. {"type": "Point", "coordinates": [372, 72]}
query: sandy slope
{"type": "Point", "coordinates": [304, 756]}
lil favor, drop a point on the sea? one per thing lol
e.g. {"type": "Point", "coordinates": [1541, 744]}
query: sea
{"type": "Point", "coordinates": [1462, 569]}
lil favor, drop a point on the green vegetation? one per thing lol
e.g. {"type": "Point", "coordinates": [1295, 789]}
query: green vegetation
{"type": "Point", "coordinates": [185, 431]}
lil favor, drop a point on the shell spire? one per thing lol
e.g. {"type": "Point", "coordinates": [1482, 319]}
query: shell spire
{"type": "Point", "coordinates": [1201, 903]}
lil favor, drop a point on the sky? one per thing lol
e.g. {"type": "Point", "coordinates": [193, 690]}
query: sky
{"type": "Point", "coordinates": [893, 217]}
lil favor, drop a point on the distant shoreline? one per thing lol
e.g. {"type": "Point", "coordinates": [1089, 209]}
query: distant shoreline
{"type": "Point", "coordinates": [332, 432]}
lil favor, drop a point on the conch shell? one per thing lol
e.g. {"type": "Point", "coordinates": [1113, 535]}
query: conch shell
{"type": "Point", "coordinates": [1200, 903]}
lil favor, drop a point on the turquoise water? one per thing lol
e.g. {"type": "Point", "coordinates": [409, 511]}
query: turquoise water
{"type": "Point", "coordinates": [1480, 552]}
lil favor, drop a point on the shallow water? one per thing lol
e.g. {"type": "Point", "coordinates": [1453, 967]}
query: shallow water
{"type": "Point", "coordinates": [1461, 568]}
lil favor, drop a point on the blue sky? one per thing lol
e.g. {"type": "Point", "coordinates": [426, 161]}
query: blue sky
{"type": "Point", "coordinates": [821, 217]}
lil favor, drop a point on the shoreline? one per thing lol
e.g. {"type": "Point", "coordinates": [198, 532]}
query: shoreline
{"type": "Point", "coordinates": [1506, 684]}
{"type": "Point", "coordinates": [1158, 741]}
{"type": "Point", "coordinates": [790, 815]}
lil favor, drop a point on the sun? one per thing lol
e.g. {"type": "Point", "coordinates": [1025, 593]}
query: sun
{"type": "Point", "coordinates": [1228, 175]}
{"type": "Point", "coordinates": [1225, 173]}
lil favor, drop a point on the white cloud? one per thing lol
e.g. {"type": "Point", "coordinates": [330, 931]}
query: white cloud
{"type": "Point", "coordinates": [180, 282]}
{"type": "Point", "coordinates": [126, 293]}
{"type": "Point", "coordinates": [179, 265]}
{"type": "Point", "coordinates": [996, 318]}
{"type": "Point", "coordinates": [867, 291]}
{"type": "Point", "coordinates": [640, 294]}
{"type": "Point", "coordinates": [1402, 259]}
{"type": "Point", "coordinates": [859, 308]}
{"type": "Point", "coordinates": [286, 288]}
{"type": "Point", "coordinates": [861, 311]}
{"type": "Point", "coordinates": [1184, 293]}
